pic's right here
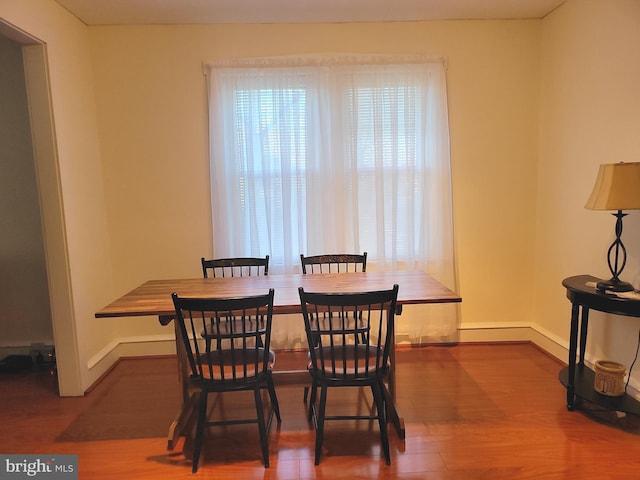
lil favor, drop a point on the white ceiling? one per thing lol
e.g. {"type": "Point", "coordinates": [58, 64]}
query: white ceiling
{"type": "Point", "coordinates": [147, 12]}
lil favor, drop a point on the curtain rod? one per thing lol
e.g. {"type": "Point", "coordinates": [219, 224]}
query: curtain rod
{"type": "Point", "coordinates": [323, 60]}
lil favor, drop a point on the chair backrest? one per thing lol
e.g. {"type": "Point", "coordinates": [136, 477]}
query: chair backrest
{"type": "Point", "coordinates": [235, 267]}
{"type": "Point", "coordinates": [226, 339]}
{"type": "Point", "coordinates": [334, 263]}
{"type": "Point", "coordinates": [349, 334]}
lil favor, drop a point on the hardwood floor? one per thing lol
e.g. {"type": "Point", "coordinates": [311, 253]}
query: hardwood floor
{"type": "Point", "coordinates": [471, 412]}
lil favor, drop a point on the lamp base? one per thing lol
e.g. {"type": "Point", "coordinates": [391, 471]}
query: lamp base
{"type": "Point", "coordinates": [614, 285]}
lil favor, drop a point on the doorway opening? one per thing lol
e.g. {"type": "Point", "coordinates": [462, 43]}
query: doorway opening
{"type": "Point", "coordinates": [46, 271]}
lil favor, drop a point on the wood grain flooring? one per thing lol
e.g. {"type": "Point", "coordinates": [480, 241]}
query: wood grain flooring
{"type": "Point", "coordinates": [471, 411]}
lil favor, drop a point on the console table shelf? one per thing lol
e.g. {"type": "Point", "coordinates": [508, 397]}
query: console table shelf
{"type": "Point", "coordinates": [577, 377]}
{"type": "Point", "coordinates": [583, 388]}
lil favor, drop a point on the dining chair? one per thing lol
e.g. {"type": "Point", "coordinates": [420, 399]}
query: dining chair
{"type": "Point", "coordinates": [227, 349]}
{"type": "Point", "coordinates": [334, 263]}
{"type": "Point", "coordinates": [235, 267]}
{"type": "Point", "coordinates": [337, 360]}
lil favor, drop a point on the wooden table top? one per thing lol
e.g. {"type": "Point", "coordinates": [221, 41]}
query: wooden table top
{"type": "Point", "coordinates": [154, 296]}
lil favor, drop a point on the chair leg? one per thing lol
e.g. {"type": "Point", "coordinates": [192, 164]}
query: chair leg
{"type": "Point", "coordinates": [320, 422]}
{"type": "Point", "coordinates": [201, 422]}
{"type": "Point", "coordinates": [378, 396]}
{"type": "Point", "coordinates": [306, 393]}
{"type": "Point", "coordinates": [274, 398]}
{"type": "Point", "coordinates": [312, 398]}
{"type": "Point", "coordinates": [306, 388]}
{"type": "Point", "coordinates": [261, 426]}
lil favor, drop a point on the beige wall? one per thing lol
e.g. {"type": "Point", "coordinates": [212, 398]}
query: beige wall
{"type": "Point", "coordinates": [152, 112]}
{"type": "Point", "coordinates": [590, 115]}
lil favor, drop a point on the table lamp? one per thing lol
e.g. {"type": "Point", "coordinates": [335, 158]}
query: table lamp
{"type": "Point", "coordinates": [617, 188]}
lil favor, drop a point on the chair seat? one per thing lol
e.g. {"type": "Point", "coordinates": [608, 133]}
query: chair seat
{"type": "Point", "coordinates": [348, 360]}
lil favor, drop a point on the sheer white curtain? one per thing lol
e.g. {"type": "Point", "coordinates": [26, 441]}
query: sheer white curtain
{"type": "Point", "coordinates": [335, 154]}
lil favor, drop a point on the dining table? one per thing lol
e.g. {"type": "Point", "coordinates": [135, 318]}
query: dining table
{"type": "Point", "coordinates": [153, 298]}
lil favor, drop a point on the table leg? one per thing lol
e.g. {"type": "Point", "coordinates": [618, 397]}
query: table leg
{"type": "Point", "coordinates": [573, 344]}
{"type": "Point", "coordinates": [390, 393]}
{"type": "Point", "coordinates": [393, 415]}
{"type": "Point", "coordinates": [184, 418]}
{"type": "Point", "coordinates": [584, 325]}
{"type": "Point", "coordinates": [189, 399]}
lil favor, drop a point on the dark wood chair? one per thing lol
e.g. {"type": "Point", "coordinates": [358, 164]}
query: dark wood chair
{"type": "Point", "coordinates": [235, 267]}
{"type": "Point", "coordinates": [336, 360]}
{"type": "Point", "coordinates": [227, 348]}
{"type": "Point", "coordinates": [334, 263]}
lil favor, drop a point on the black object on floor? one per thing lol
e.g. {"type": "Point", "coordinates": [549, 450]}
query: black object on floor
{"type": "Point", "coordinates": [15, 363]}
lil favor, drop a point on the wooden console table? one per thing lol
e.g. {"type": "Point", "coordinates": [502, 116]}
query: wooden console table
{"type": "Point", "coordinates": [576, 377]}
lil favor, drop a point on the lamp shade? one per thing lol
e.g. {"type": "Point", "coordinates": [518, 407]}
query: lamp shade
{"type": "Point", "coordinates": [617, 187]}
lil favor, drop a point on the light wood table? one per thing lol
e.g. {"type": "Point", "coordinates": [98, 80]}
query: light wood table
{"type": "Point", "coordinates": [154, 298]}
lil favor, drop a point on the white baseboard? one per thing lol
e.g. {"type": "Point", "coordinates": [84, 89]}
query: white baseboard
{"type": "Point", "coordinates": [510, 332]}
{"type": "Point", "coordinates": [135, 347]}
{"type": "Point", "coordinates": [552, 344]}
{"type": "Point", "coordinates": [141, 346]}
{"type": "Point", "coordinates": [493, 332]}
{"type": "Point", "coordinates": [467, 333]}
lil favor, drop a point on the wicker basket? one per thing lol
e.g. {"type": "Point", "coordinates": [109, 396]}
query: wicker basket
{"type": "Point", "coordinates": [609, 379]}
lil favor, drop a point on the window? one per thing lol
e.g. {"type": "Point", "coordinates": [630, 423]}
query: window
{"type": "Point", "coordinates": [332, 155]}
